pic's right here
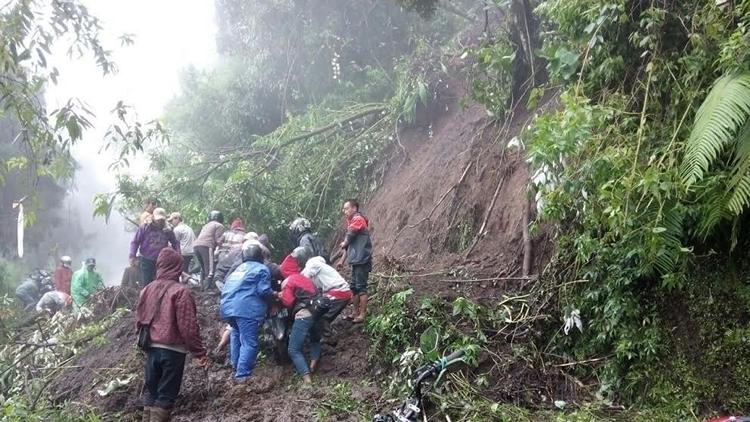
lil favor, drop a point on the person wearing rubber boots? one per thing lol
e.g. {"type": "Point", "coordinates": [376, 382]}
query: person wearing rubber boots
{"type": "Point", "coordinates": [168, 308]}
{"type": "Point", "coordinates": [357, 248]}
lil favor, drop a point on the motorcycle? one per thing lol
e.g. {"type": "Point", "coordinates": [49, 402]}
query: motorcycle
{"type": "Point", "coordinates": [275, 333]}
{"type": "Point", "coordinates": [412, 409]}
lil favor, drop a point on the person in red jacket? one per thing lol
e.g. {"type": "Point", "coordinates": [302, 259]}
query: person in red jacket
{"type": "Point", "coordinates": [63, 274]}
{"type": "Point", "coordinates": [174, 332]}
{"type": "Point", "coordinates": [296, 290]}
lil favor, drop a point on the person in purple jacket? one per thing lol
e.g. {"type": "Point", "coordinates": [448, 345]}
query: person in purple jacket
{"type": "Point", "coordinates": [150, 239]}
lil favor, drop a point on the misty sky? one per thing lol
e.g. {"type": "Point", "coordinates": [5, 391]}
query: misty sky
{"type": "Point", "coordinates": [169, 36]}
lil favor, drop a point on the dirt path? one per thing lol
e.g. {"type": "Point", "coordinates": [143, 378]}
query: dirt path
{"type": "Point", "coordinates": [274, 394]}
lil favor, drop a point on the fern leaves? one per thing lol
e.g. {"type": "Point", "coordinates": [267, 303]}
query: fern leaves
{"type": "Point", "coordinates": [717, 124]}
{"type": "Point", "coordinates": [722, 128]}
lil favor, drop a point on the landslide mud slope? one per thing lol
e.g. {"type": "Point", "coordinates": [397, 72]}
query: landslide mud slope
{"type": "Point", "coordinates": [455, 194]}
{"type": "Point", "coordinates": [212, 395]}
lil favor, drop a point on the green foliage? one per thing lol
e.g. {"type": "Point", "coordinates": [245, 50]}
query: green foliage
{"type": "Point", "coordinates": [269, 150]}
{"type": "Point", "coordinates": [340, 403]}
{"type": "Point", "coordinates": [492, 75]}
{"type": "Point", "coordinates": [31, 30]}
{"type": "Point", "coordinates": [722, 127]}
{"type": "Point", "coordinates": [17, 409]}
{"type": "Point", "coordinates": [608, 168]}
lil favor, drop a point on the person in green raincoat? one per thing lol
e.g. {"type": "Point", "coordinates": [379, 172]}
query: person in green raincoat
{"type": "Point", "coordinates": [85, 282]}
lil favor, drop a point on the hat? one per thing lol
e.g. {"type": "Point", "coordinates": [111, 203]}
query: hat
{"type": "Point", "coordinates": [251, 236]}
{"type": "Point", "coordinates": [159, 214]}
{"type": "Point", "coordinates": [174, 215]}
{"type": "Point", "coordinates": [90, 261]}
{"type": "Point", "coordinates": [265, 241]}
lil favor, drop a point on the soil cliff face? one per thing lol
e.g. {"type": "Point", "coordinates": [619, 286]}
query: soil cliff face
{"type": "Point", "coordinates": [455, 193]}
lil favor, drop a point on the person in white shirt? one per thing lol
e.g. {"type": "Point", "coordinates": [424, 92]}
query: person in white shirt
{"type": "Point", "coordinates": [54, 301]}
{"type": "Point", "coordinates": [330, 283]}
{"type": "Point", "coordinates": [186, 236]}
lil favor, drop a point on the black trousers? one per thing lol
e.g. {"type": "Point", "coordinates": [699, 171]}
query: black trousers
{"type": "Point", "coordinates": [148, 271]}
{"type": "Point", "coordinates": [164, 369]}
{"type": "Point", "coordinates": [186, 259]}
{"type": "Point", "coordinates": [202, 253]}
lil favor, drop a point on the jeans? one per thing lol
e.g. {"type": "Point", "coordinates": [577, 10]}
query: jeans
{"type": "Point", "coordinates": [301, 328]}
{"type": "Point", "coordinates": [243, 344]}
{"type": "Point", "coordinates": [148, 270]}
{"type": "Point", "coordinates": [163, 378]}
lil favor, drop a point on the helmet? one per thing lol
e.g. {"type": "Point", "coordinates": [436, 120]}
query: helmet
{"type": "Point", "coordinates": [301, 254]}
{"type": "Point", "coordinates": [252, 250]}
{"type": "Point", "coordinates": [66, 260]}
{"type": "Point", "coordinates": [90, 261]}
{"type": "Point", "coordinates": [299, 226]}
{"type": "Point", "coordinates": [216, 216]}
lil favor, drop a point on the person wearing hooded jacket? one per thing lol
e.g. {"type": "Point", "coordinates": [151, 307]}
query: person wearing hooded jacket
{"type": "Point", "coordinates": [296, 289]}
{"type": "Point", "coordinates": [243, 305]}
{"type": "Point", "coordinates": [85, 282]}
{"type": "Point", "coordinates": [63, 275]}
{"type": "Point", "coordinates": [169, 309]}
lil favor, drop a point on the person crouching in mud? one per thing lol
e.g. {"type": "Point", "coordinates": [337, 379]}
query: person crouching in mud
{"type": "Point", "coordinates": [170, 310]}
{"type": "Point", "coordinates": [244, 307]}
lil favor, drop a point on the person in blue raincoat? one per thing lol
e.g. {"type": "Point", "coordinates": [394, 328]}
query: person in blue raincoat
{"type": "Point", "coordinates": [243, 306]}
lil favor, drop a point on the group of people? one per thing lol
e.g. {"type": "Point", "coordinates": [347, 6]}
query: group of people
{"type": "Point", "coordinates": [66, 288]}
{"type": "Point", "coordinates": [252, 287]}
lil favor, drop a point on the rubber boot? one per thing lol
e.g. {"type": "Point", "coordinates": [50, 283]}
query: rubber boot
{"type": "Point", "coordinates": [355, 305]}
{"type": "Point", "coordinates": [146, 414]}
{"type": "Point", "coordinates": [362, 309]}
{"type": "Point", "coordinates": [160, 414]}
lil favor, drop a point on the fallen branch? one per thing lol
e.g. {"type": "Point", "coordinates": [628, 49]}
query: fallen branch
{"type": "Point", "coordinates": [474, 280]}
{"type": "Point", "coordinates": [527, 246]}
{"type": "Point", "coordinates": [581, 362]}
{"type": "Point", "coordinates": [480, 233]}
{"type": "Point", "coordinates": [329, 127]}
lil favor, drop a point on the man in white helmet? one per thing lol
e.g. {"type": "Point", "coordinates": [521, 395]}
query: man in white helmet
{"type": "Point", "coordinates": [63, 275]}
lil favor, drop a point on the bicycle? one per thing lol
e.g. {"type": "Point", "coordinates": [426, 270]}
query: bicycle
{"type": "Point", "coordinates": [413, 407]}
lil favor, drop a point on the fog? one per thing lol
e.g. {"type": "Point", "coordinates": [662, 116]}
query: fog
{"type": "Point", "coordinates": [169, 36]}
